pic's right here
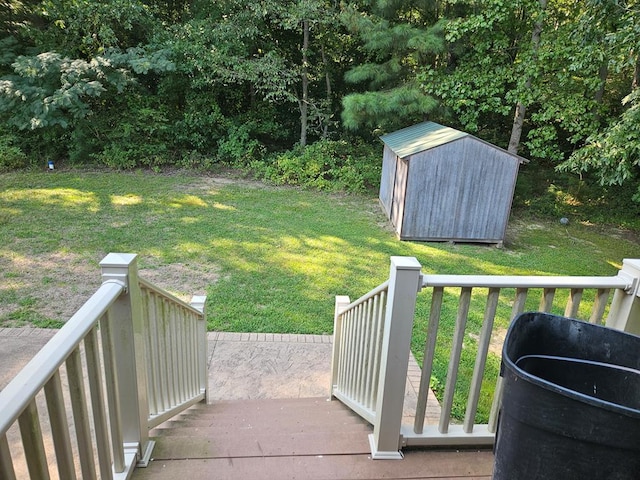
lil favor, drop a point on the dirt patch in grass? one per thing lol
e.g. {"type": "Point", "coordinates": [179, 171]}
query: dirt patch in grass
{"type": "Point", "coordinates": [47, 288]}
{"type": "Point", "coordinates": [54, 286]}
{"type": "Point", "coordinates": [180, 279]}
{"type": "Point", "coordinates": [496, 342]}
{"type": "Point", "coordinates": [205, 183]}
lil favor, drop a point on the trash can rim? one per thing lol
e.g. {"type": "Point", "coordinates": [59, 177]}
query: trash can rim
{"type": "Point", "coordinates": [567, 392]}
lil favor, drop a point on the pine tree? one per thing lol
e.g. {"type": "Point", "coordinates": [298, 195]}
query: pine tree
{"type": "Point", "coordinates": [399, 39]}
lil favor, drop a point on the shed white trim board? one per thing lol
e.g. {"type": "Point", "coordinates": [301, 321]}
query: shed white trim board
{"type": "Point", "coordinates": [441, 184]}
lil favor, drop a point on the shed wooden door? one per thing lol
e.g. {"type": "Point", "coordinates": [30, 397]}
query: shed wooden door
{"type": "Point", "coordinates": [399, 194]}
{"type": "Point", "coordinates": [387, 180]}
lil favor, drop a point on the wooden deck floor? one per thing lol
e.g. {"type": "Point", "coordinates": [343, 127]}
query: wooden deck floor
{"type": "Point", "coordinates": [290, 439]}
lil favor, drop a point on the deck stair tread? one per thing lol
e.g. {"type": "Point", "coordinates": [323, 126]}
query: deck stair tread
{"type": "Point", "coordinates": [217, 419]}
{"type": "Point", "coordinates": [310, 438]}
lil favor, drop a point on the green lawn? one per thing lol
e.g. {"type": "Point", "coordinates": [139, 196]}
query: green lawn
{"type": "Point", "coordinates": [270, 259]}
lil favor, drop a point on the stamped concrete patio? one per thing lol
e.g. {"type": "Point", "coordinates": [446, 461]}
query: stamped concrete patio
{"type": "Point", "coordinates": [270, 417]}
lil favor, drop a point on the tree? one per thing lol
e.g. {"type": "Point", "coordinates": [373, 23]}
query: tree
{"type": "Point", "coordinates": [398, 40]}
{"type": "Point", "coordinates": [310, 19]}
{"type": "Point", "coordinates": [489, 66]}
{"type": "Point", "coordinates": [526, 54]}
{"type": "Point", "coordinates": [613, 152]}
{"type": "Point", "coordinates": [521, 104]}
{"type": "Point", "coordinates": [73, 66]}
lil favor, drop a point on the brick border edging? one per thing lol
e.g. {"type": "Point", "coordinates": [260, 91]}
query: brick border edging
{"type": "Point", "coordinates": [26, 331]}
{"type": "Point", "coordinates": [268, 337]}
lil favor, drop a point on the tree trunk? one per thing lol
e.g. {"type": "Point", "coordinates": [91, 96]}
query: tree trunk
{"type": "Point", "coordinates": [327, 77]}
{"type": "Point", "coordinates": [304, 102]}
{"type": "Point", "coordinates": [521, 108]}
{"type": "Point", "coordinates": [603, 73]}
{"type": "Point", "coordinates": [518, 122]}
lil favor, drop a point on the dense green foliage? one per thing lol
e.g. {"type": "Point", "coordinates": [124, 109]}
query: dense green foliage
{"type": "Point", "coordinates": [155, 84]}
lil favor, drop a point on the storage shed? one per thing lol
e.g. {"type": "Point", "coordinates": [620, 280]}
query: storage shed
{"type": "Point", "coordinates": [441, 184]}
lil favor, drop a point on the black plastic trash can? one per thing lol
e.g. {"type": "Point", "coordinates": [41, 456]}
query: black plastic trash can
{"type": "Point", "coordinates": [571, 403]}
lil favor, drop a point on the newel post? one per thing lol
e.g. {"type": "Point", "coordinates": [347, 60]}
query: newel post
{"type": "Point", "coordinates": [127, 330]}
{"type": "Point", "coordinates": [342, 302]}
{"type": "Point", "coordinates": [404, 284]}
{"type": "Point", "coordinates": [624, 313]}
{"type": "Point", "coordinates": [199, 303]}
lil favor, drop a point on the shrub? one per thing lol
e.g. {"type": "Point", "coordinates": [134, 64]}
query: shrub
{"type": "Point", "coordinates": [238, 149]}
{"type": "Point", "coordinates": [11, 156]}
{"type": "Point", "coordinates": [137, 139]}
{"type": "Point", "coordinates": [335, 165]}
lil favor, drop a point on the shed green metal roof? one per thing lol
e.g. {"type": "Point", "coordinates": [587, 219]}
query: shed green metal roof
{"type": "Point", "coordinates": [420, 137]}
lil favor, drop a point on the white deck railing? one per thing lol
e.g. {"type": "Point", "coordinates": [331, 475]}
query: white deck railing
{"type": "Point", "coordinates": [101, 354]}
{"type": "Point", "coordinates": [176, 348]}
{"type": "Point", "coordinates": [358, 333]}
{"type": "Point", "coordinates": [361, 372]}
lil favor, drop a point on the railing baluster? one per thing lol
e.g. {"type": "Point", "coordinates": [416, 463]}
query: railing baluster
{"type": "Point", "coordinates": [80, 415]}
{"type": "Point", "coordinates": [343, 353]}
{"type": "Point", "coordinates": [188, 380]}
{"type": "Point", "coordinates": [164, 360]}
{"type": "Point", "coordinates": [362, 321]}
{"type": "Point", "coordinates": [182, 354]}
{"type": "Point", "coordinates": [178, 373]}
{"type": "Point", "coordinates": [356, 342]}
{"type": "Point", "coordinates": [365, 345]}
{"type": "Point", "coordinates": [351, 322]}
{"type": "Point", "coordinates": [599, 306]}
{"type": "Point", "coordinates": [59, 427]}
{"type": "Point", "coordinates": [144, 306]}
{"type": "Point", "coordinates": [546, 302]}
{"type": "Point", "coordinates": [378, 347]}
{"type": "Point", "coordinates": [172, 365]}
{"type": "Point", "coordinates": [518, 307]}
{"type": "Point", "coordinates": [573, 303]}
{"type": "Point", "coordinates": [32, 442]}
{"type": "Point", "coordinates": [98, 406]}
{"type": "Point", "coordinates": [454, 362]}
{"type": "Point", "coordinates": [353, 361]}
{"type": "Point", "coordinates": [196, 355]}
{"type": "Point", "coordinates": [188, 353]}
{"type": "Point", "coordinates": [427, 362]}
{"type": "Point", "coordinates": [146, 314]}
{"type": "Point", "coordinates": [113, 397]}
{"type": "Point", "coordinates": [7, 471]}
{"type": "Point", "coordinates": [154, 352]}
{"type": "Point", "coordinates": [481, 359]}
{"type": "Point", "coordinates": [191, 349]}
{"type": "Point", "coordinates": [371, 351]}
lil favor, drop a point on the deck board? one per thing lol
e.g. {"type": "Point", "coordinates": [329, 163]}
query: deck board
{"type": "Point", "coordinates": [291, 439]}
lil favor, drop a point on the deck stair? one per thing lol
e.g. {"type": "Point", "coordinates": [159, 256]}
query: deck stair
{"type": "Point", "coordinates": [302, 438]}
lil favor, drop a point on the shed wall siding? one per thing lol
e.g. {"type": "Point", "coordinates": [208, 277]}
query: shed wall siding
{"type": "Point", "coordinates": [459, 191]}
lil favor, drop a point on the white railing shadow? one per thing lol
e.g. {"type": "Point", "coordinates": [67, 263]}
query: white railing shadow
{"type": "Point", "coordinates": [93, 375]}
{"type": "Point", "coordinates": [369, 372]}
